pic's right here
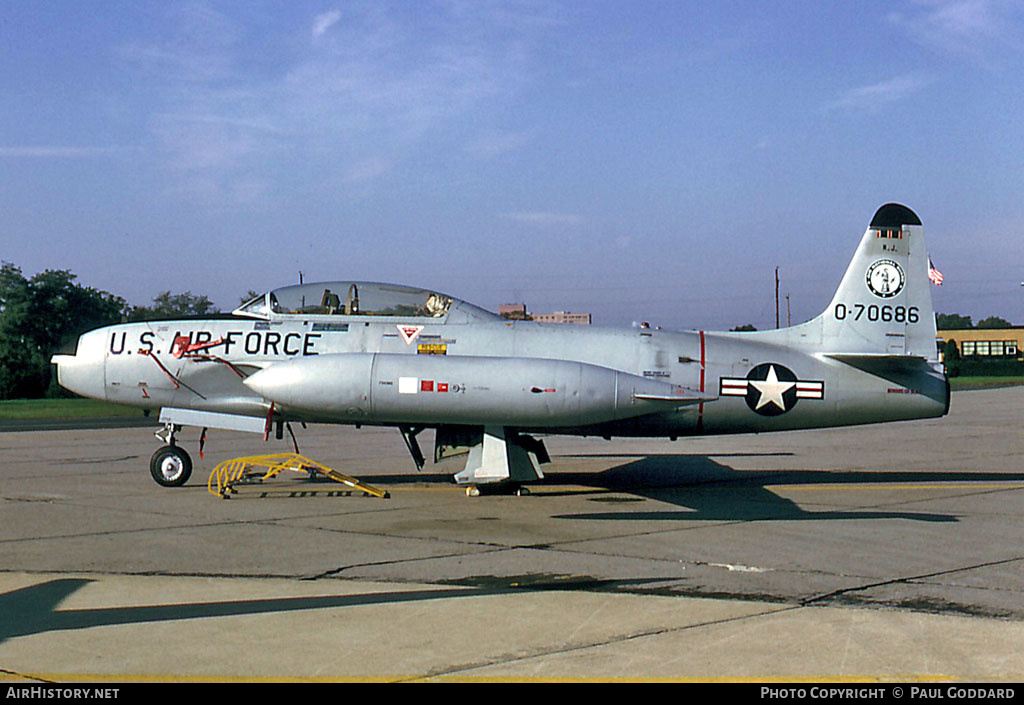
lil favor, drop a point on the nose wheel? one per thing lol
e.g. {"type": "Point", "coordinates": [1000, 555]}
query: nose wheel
{"type": "Point", "coordinates": [171, 466]}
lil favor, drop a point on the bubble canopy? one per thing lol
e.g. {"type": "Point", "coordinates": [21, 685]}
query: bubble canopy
{"type": "Point", "coordinates": [347, 298]}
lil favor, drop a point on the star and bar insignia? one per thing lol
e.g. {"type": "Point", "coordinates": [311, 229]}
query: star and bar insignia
{"type": "Point", "coordinates": [771, 389]}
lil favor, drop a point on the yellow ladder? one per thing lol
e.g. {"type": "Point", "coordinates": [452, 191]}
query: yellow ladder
{"type": "Point", "coordinates": [259, 468]}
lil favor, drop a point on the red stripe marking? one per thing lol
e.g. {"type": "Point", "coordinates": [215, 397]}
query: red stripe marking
{"type": "Point", "coordinates": [702, 361]}
{"type": "Point", "coordinates": [703, 364]}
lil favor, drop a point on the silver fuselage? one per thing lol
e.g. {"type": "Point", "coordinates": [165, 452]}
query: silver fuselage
{"type": "Point", "coordinates": [133, 364]}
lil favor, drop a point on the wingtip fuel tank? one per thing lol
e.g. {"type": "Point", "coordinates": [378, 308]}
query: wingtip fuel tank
{"type": "Point", "coordinates": [395, 388]}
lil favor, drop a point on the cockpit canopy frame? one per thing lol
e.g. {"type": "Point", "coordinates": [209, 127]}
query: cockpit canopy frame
{"type": "Point", "coordinates": [348, 298]}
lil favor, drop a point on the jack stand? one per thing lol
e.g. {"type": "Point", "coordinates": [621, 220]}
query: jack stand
{"type": "Point", "coordinates": [240, 471]}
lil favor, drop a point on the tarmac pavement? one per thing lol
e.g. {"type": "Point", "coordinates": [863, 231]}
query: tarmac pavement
{"type": "Point", "coordinates": [889, 552]}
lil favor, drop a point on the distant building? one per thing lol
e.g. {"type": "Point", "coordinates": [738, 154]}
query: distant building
{"type": "Point", "coordinates": [985, 343]}
{"type": "Point", "coordinates": [516, 312]}
{"type": "Point", "coordinates": [563, 317]}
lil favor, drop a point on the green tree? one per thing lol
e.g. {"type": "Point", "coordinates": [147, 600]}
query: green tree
{"type": "Point", "coordinates": [950, 321]}
{"type": "Point", "coordinates": [744, 327]}
{"type": "Point", "coordinates": [38, 317]}
{"type": "Point", "coordinates": [994, 322]}
{"type": "Point", "coordinates": [168, 305]}
{"type": "Point", "coordinates": [18, 357]}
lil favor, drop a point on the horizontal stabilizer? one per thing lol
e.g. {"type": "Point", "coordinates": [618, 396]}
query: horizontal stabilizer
{"type": "Point", "coordinates": [909, 371]}
{"type": "Point", "coordinates": [880, 364]}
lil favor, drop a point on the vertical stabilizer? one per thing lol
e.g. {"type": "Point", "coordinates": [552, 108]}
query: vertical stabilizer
{"type": "Point", "coordinates": [883, 305]}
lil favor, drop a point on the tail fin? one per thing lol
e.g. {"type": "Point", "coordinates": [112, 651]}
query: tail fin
{"type": "Point", "coordinates": [883, 305]}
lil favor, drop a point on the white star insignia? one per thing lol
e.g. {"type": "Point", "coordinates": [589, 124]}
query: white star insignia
{"type": "Point", "coordinates": [771, 390]}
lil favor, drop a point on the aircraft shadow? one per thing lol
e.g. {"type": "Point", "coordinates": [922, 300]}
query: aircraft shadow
{"type": "Point", "coordinates": [711, 491]}
{"type": "Point", "coordinates": [34, 609]}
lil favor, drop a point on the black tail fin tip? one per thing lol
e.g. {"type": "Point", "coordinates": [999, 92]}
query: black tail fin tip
{"type": "Point", "coordinates": [894, 215]}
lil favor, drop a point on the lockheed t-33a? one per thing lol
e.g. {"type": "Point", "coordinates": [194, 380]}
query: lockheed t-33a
{"type": "Point", "coordinates": [365, 353]}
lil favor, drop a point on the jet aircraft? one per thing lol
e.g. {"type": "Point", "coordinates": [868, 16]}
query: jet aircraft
{"type": "Point", "coordinates": [364, 353]}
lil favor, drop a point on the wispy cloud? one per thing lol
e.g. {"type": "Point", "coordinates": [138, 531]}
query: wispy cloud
{"type": "Point", "coordinates": [356, 99]}
{"type": "Point", "coordinates": [323, 22]}
{"type": "Point", "coordinates": [196, 44]}
{"type": "Point", "coordinates": [494, 143]}
{"type": "Point", "coordinates": [975, 28]}
{"type": "Point", "coordinates": [55, 152]}
{"type": "Point", "coordinates": [876, 96]}
{"type": "Point", "coordinates": [367, 170]}
{"type": "Point", "coordinates": [543, 219]}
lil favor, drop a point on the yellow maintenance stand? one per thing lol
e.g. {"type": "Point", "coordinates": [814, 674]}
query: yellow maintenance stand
{"type": "Point", "coordinates": [259, 468]}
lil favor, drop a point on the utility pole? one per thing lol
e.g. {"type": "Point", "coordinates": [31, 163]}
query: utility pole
{"type": "Point", "coordinates": [789, 319]}
{"type": "Point", "coordinates": [776, 297]}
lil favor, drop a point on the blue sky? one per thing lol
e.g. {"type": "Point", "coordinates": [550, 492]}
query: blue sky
{"type": "Point", "coordinates": [638, 160]}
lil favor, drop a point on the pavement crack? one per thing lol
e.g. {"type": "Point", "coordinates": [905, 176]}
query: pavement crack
{"type": "Point", "coordinates": [335, 572]}
{"type": "Point", "coordinates": [24, 676]}
{"type": "Point", "coordinates": [833, 595]}
{"type": "Point", "coordinates": [596, 644]}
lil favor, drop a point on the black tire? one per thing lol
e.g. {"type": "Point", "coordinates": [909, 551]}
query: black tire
{"type": "Point", "coordinates": [170, 466]}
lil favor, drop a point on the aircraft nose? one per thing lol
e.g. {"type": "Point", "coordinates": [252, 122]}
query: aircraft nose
{"type": "Point", "coordinates": [82, 373]}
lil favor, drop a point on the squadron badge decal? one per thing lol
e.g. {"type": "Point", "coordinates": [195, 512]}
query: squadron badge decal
{"type": "Point", "coordinates": [885, 278]}
{"type": "Point", "coordinates": [771, 389]}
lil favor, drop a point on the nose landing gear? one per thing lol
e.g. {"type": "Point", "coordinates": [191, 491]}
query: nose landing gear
{"type": "Point", "coordinates": [170, 465]}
